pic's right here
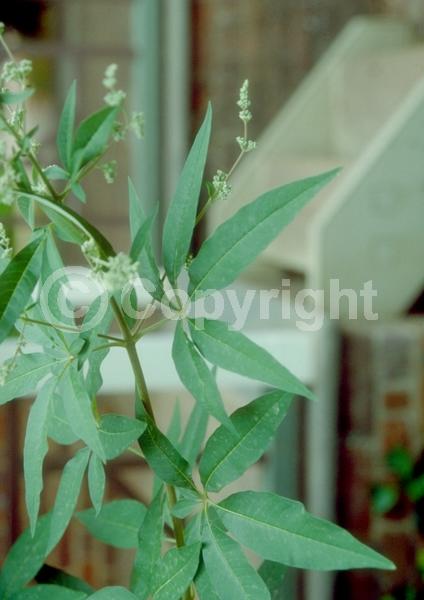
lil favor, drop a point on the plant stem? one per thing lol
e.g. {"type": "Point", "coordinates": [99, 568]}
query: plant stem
{"type": "Point", "coordinates": [141, 385]}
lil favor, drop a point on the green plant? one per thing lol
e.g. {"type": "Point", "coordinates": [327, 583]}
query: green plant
{"type": "Point", "coordinates": [202, 537]}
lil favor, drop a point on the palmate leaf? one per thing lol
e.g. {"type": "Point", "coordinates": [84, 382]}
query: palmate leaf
{"type": "Point", "coordinates": [233, 351]}
{"type": "Point", "coordinates": [49, 592]}
{"type": "Point", "coordinates": [25, 558]}
{"type": "Point", "coordinates": [164, 459]}
{"type": "Point", "coordinates": [181, 218]}
{"type": "Point", "coordinates": [35, 450]}
{"type": "Point", "coordinates": [65, 133]}
{"type": "Point", "coordinates": [149, 548]}
{"type": "Point", "coordinates": [118, 432]}
{"type": "Point", "coordinates": [273, 575]}
{"type": "Point", "coordinates": [148, 268]}
{"type": "Point", "coordinates": [281, 530]}
{"type": "Point", "coordinates": [229, 571]}
{"type": "Point", "coordinates": [67, 496]}
{"type": "Point", "coordinates": [196, 376]}
{"type": "Point", "coordinates": [117, 524]}
{"type": "Point", "coordinates": [29, 370]}
{"type": "Point", "coordinates": [175, 572]}
{"type": "Point", "coordinates": [204, 586]}
{"type": "Point", "coordinates": [17, 283]}
{"type": "Point", "coordinates": [238, 241]}
{"type": "Point", "coordinates": [59, 429]}
{"type": "Point", "coordinates": [228, 455]}
{"type": "Point", "coordinates": [96, 482]}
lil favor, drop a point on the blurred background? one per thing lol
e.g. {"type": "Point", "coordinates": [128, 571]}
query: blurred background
{"type": "Point", "coordinates": [332, 84]}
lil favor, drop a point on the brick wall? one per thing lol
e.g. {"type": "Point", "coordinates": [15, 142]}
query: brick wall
{"type": "Point", "coordinates": [381, 408]}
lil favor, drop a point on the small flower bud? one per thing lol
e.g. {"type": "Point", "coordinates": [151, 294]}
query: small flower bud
{"type": "Point", "coordinates": [115, 97]}
{"type": "Point", "coordinates": [109, 171]}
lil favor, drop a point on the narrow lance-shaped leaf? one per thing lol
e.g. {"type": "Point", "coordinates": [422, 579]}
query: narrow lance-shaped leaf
{"type": "Point", "coordinates": [117, 524]}
{"type": "Point", "coordinates": [196, 376]}
{"type": "Point", "coordinates": [25, 558]}
{"type": "Point", "coordinates": [148, 268]}
{"type": "Point", "coordinates": [79, 411]}
{"type": "Point", "coordinates": [49, 592]}
{"type": "Point", "coordinates": [233, 351]}
{"type": "Point", "coordinates": [118, 432]}
{"type": "Point", "coordinates": [29, 370]}
{"type": "Point", "coordinates": [149, 548]}
{"type": "Point", "coordinates": [273, 574]}
{"type": "Point", "coordinates": [181, 218]}
{"type": "Point", "coordinates": [67, 496]}
{"type": "Point", "coordinates": [96, 482]}
{"type": "Point", "coordinates": [35, 450]}
{"type": "Point", "coordinates": [228, 455]}
{"type": "Point", "coordinates": [281, 530]}
{"type": "Point", "coordinates": [229, 571]}
{"type": "Point", "coordinates": [92, 137]}
{"type": "Point", "coordinates": [52, 575]}
{"type": "Point", "coordinates": [238, 241]}
{"type": "Point", "coordinates": [164, 458]}
{"type": "Point", "coordinates": [112, 593]}
{"type": "Point", "coordinates": [17, 283]}
{"type": "Point", "coordinates": [142, 237]}
{"type": "Point", "coordinates": [65, 132]}
{"type": "Point", "coordinates": [177, 570]}
{"type": "Point", "coordinates": [194, 434]}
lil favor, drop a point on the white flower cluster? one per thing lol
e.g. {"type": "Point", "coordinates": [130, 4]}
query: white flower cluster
{"type": "Point", "coordinates": [113, 97]}
{"type": "Point", "coordinates": [5, 370]}
{"type": "Point", "coordinates": [221, 186]}
{"type": "Point", "coordinates": [115, 272]}
{"type": "Point", "coordinates": [137, 124]}
{"type": "Point", "coordinates": [245, 115]}
{"type": "Point", "coordinates": [5, 248]}
{"type": "Point", "coordinates": [16, 71]}
{"type": "Point", "coordinates": [8, 177]}
{"type": "Point", "coordinates": [244, 103]}
{"type": "Point", "coordinates": [109, 170]}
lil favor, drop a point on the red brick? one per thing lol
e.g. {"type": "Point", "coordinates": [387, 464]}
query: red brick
{"type": "Point", "coordinates": [396, 399]}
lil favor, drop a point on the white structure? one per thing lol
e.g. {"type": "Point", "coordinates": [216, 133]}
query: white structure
{"type": "Point", "coordinates": [362, 109]}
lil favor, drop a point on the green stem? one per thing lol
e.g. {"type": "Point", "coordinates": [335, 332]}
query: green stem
{"type": "Point", "coordinates": [141, 385]}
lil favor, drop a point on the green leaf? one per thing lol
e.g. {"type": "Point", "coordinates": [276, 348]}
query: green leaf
{"type": "Point", "coordinates": [181, 218]}
{"type": "Point", "coordinates": [56, 173]}
{"type": "Point", "coordinates": [281, 530]}
{"type": "Point", "coordinates": [177, 570]}
{"type": "Point", "coordinates": [65, 133]}
{"type": "Point", "coordinates": [52, 575]}
{"type": "Point", "coordinates": [67, 496]}
{"type": "Point", "coordinates": [117, 524]}
{"type": "Point", "coordinates": [35, 450]}
{"type": "Point", "coordinates": [164, 459]}
{"type": "Point", "coordinates": [49, 592]}
{"type": "Point", "coordinates": [25, 558]}
{"type": "Point", "coordinates": [228, 455]}
{"type": "Point", "coordinates": [17, 283]}
{"type": "Point", "coordinates": [384, 498]}
{"type": "Point", "coordinates": [149, 548]}
{"type": "Point", "coordinates": [92, 137]}
{"type": "Point", "coordinates": [29, 370]}
{"type": "Point", "coordinates": [117, 433]}
{"type": "Point", "coordinates": [233, 351]}
{"type": "Point", "coordinates": [148, 268]}
{"type": "Point", "coordinates": [96, 482]}
{"type": "Point", "coordinates": [194, 434]}
{"type": "Point", "coordinates": [79, 411]}
{"type": "Point", "coordinates": [173, 433]}
{"type": "Point", "coordinates": [400, 463]}
{"type": "Point", "coordinates": [238, 241]}
{"type": "Point", "coordinates": [142, 237]}
{"type": "Point", "coordinates": [415, 489]}
{"type": "Point", "coordinates": [273, 575]}
{"type": "Point", "coordinates": [186, 506]}
{"type": "Point", "coordinates": [196, 376]}
{"type": "Point", "coordinates": [204, 586]}
{"type": "Point", "coordinates": [15, 97]}
{"type": "Point", "coordinates": [113, 593]}
{"type": "Point", "coordinates": [229, 571]}
{"type": "Point", "coordinates": [59, 429]}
